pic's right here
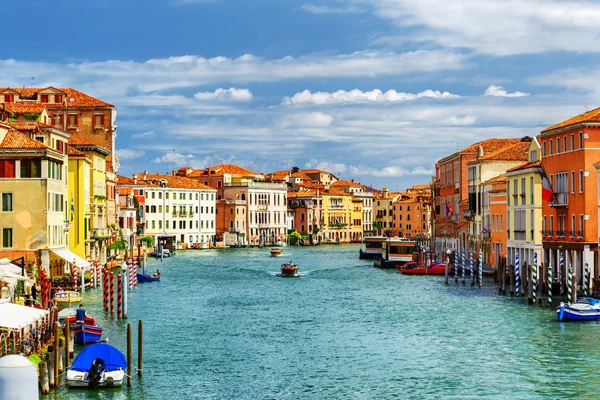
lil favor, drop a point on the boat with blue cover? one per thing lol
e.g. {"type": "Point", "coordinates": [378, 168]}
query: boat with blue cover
{"type": "Point", "coordinates": [584, 309]}
{"type": "Point", "coordinates": [98, 365]}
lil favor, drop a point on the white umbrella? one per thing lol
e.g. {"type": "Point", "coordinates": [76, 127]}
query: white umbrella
{"type": "Point", "coordinates": [6, 265]}
{"type": "Point", "coordinates": [8, 274]}
{"type": "Point", "coordinates": [15, 316]}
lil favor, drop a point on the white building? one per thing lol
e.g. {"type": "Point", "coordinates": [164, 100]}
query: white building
{"type": "Point", "coordinates": [179, 207]}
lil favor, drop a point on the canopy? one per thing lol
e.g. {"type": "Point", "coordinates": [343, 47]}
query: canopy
{"type": "Point", "coordinates": [8, 274]}
{"type": "Point", "coordinates": [14, 316]}
{"type": "Point", "coordinates": [7, 266]}
{"type": "Point", "coordinates": [71, 257]}
{"type": "Point", "coordinates": [112, 357]}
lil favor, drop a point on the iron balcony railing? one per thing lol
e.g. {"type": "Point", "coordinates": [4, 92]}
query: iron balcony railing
{"type": "Point", "coordinates": [580, 234]}
{"type": "Point", "coordinates": [519, 235]}
{"type": "Point", "coordinates": [561, 199]}
{"type": "Point", "coordinates": [561, 233]}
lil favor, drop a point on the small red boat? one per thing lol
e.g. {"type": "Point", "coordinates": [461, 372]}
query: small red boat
{"type": "Point", "coordinates": [436, 268]}
{"type": "Point", "coordinates": [289, 269]}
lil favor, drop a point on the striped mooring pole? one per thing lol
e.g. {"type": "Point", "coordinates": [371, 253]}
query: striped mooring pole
{"type": "Point", "coordinates": [456, 265]}
{"type": "Point", "coordinates": [98, 272]}
{"type": "Point", "coordinates": [112, 293]}
{"type": "Point", "coordinates": [463, 266]}
{"type": "Point", "coordinates": [130, 269]}
{"type": "Point", "coordinates": [550, 282]}
{"type": "Point", "coordinates": [480, 269]}
{"type": "Point", "coordinates": [570, 284]}
{"type": "Point", "coordinates": [105, 285]}
{"type": "Point", "coordinates": [75, 278]}
{"type": "Point", "coordinates": [472, 269]}
{"type": "Point", "coordinates": [561, 270]}
{"type": "Point", "coordinates": [135, 280]}
{"type": "Point", "coordinates": [535, 273]}
{"type": "Point", "coordinates": [119, 295]}
{"type": "Point", "coordinates": [517, 276]}
{"type": "Point", "coordinates": [586, 280]}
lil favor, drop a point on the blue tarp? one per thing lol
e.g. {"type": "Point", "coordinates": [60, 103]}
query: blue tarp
{"type": "Point", "coordinates": [112, 357]}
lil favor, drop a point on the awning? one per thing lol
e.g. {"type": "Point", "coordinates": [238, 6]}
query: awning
{"type": "Point", "coordinates": [7, 266]}
{"type": "Point", "coordinates": [71, 257]}
{"type": "Point", "coordinates": [14, 316]}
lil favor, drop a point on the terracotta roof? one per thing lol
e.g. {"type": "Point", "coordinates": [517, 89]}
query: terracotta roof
{"type": "Point", "coordinates": [17, 140]}
{"type": "Point", "coordinates": [310, 185]}
{"type": "Point", "coordinates": [24, 107]}
{"type": "Point", "coordinates": [491, 145]}
{"type": "Point", "coordinates": [125, 190]}
{"type": "Point", "coordinates": [76, 141]}
{"type": "Point", "coordinates": [344, 183]}
{"type": "Point", "coordinates": [278, 175]}
{"type": "Point", "coordinates": [221, 169]}
{"type": "Point", "coordinates": [335, 192]}
{"type": "Point", "coordinates": [123, 180]}
{"type": "Point", "coordinates": [177, 182]}
{"type": "Point", "coordinates": [590, 116]}
{"type": "Point", "coordinates": [29, 126]}
{"type": "Point", "coordinates": [302, 175]}
{"type": "Point", "coordinates": [73, 152]}
{"type": "Point", "coordinates": [525, 166]}
{"type": "Point", "coordinates": [304, 193]}
{"type": "Point", "coordinates": [514, 152]}
{"type": "Point", "coordinates": [499, 178]}
{"type": "Point", "coordinates": [80, 99]}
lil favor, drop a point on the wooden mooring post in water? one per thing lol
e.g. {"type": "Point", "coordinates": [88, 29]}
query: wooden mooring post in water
{"type": "Point", "coordinates": [129, 353]}
{"type": "Point", "coordinates": [140, 346]}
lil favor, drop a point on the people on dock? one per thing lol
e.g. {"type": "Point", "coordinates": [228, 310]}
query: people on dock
{"type": "Point", "coordinates": [80, 314]}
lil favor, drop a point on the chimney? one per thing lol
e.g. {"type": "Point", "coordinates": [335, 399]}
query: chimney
{"type": "Point", "coordinates": [384, 193]}
{"type": "Point", "coordinates": [135, 179]}
{"type": "Point", "coordinates": [479, 152]}
{"type": "Point", "coordinates": [145, 175]}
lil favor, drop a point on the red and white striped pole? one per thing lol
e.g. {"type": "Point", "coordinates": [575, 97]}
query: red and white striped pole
{"type": "Point", "coordinates": [98, 272]}
{"type": "Point", "coordinates": [92, 274]}
{"type": "Point", "coordinates": [135, 281]}
{"type": "Point", "coordinates": [75, 275]}
{"type": "Point", "coordinates": [130, 267]}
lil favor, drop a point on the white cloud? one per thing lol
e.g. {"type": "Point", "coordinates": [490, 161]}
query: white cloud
{"type": "Point", "coordinates": [334, 168]}
{"type": "Point", "coordinates": [307, 120]}
{"type": "Point", "coordinates": [126, 154]}
{"type": "Point", "coordinates": [358, 96]}
{"type": "Point", "coordinates": [498, 91]}
{"type": "Point", "coordinates": [231, 94]}
{"type": "Point", "coordinates": [144, 135]}
{"type": "Point", "coordinates": [317, 9]}
{"type": "Point", "coordinates": [499, 27]}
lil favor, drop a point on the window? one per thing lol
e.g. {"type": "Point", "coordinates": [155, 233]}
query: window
{"type": "Point", "coordinates": [58, 98]}
{"type": "Point", "coordinates": [581, 230]}
{"type": "Point", "coordinates": [557, 145]}
{"type": "Point", "coordinates": [9, 98]}
{"type": "Point", "coordinates": [564, 143]}
{"type": "Point", "coordinates": [572, 141]}
{"type": "Point", "coordinates": [153, 224]}
{"type": "Point", "coordinates": [544, 149]}
{"type": "Point", "coordinates": [7, 202]}
{"type": "Point", "coordinates": [159, 224]}
{"type": "Point", "coordinates": [55, 170]}
{"type": "Point", "coordinates": [31, 168]}
{"type": "Point", "coordinates": [581, 140]}
{"type": "Point", "coordinates": [7, 237]}
{"type": "Point", "coordinates": [545, 227]}
{"type": "Point", "coordinates": [44, 98]}
{"type": "Point", "coordinates": [531, 190]}
{"type": "Point", "coordinates": [572, 181]}
{"type": "Point", "coordinates": [160, 209]}
{"type": "Point", "coordinates": [153, 194]}
{"type": "Point", "coordinates": [73, 120]}
{"type": "Point", "coordinates": [98, 120]}
{"type": "Point", "coordinates": [581, 181]}
{"type": "Point", "coordinates": [552, 225]}
{"type": "Point", "coordinates": [550, 147]}
{"type": "Point", "coordinates": [160, 195]}
{"type": "Point", "coordinates": [7, 168]}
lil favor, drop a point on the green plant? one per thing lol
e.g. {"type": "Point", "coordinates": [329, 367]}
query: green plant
{"type": "Point", "coordinates": [12, 117]}
{"type": "Point", "coordinates": [315, 230]}
{"type": "Point", "coordinates": [120, 244]}
{"type": "Point", "coordinates": [100, 197]}
{"type": "Point", "coordinates": [148, 240]}
{"type": "Point", "coordinates": [31, 116]}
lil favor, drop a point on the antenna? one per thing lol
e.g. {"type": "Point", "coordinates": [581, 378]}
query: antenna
{"type": "Point", "coordinates": [585, 108]}
{"type": "Point", "coordinates": [457, 145]}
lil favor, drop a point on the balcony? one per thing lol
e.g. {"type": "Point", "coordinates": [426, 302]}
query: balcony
{"type": "Point", "coordinates": [183, 213]}
{"type": "Point", "coordinates": [572, 234]}
{"type": "Point", "coordinates": [519, 235]}
{"type": "Point", "coordinates": [100, 233]}
{"type": "Point", "coordinates": [561, 233]}
{"type": "Point", "coordinates": [174, 214]}
{"type": "Point", "coordinates": [468, 214]}
{"type": "Point", "coordinates": [191, 214]}
{"type": "Point", "coordinates": [561, 199]}
{"type": "Point", "coordinates": [580, 234]}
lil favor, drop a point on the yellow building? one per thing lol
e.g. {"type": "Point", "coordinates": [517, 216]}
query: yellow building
{"type": "Point", "coordinates": [78, 200]}
{"type": "Point", "coordinates": [337, 213]}
{"type": "Point", "coordinates": [383, 212]}
{"type": "Point", "coordinates": [94, 200]}
{"type": "Point", "coordinates": [524, 208]}
{"type": "Point", "coordinates": [33, 187]}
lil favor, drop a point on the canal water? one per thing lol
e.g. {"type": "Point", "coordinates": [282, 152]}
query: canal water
{"type": "Point", "coordinates": [223, 325]}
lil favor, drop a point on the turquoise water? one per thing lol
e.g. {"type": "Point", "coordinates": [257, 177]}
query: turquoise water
{"type": "Point", "coordinates": [223, 325]}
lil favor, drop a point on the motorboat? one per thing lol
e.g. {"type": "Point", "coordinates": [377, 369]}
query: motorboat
{"type": "Point", "coordinates": [97, 365]}
{"type": "Point", "coordinates": [414, 268]}
{"type": "Point", "coordinates": [276, 252]}
{"type": "Point", "coordinates": [66, 298]}
{"type": "Point", "coordinates": [86, 333]}
{"type": "Point", "coordinates": [165, 253]}
{"type": "Point", "coordinates": [396, 252]}
{"type": "Point", "coordinates": [289, 269]}
{"type": "Point", "coordinates": [148, 278]}
{"type": "Point", "coordinates": [585, 308]}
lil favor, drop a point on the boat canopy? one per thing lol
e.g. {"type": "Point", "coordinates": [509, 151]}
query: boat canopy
{"type": "Point", "coordinates": [588, 300]}
{"type": "Point", "coordinates": [112, 357]}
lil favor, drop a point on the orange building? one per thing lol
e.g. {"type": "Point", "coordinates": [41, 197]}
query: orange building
{"type": "Point", "coordinates": [497, 227]}
{"type": "Point", "coordinates": [411, 214]}
{"type": "Point", "coordinates": [570, 218]}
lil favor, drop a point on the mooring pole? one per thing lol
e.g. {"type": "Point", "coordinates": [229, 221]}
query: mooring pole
{"type": "Point", "coordinates": [129, 353]}
{"type": "Point", "coordinates": [140, 346]}
{"type": "Point", "coordinates": [56, 353]}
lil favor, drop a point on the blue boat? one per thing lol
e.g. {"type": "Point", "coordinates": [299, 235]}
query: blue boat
{"type": "Point", "coordinates": [584, 309]}
{"type": "Point", "coordinates": [148, 278]}
{"type": "Point", "coordinates": [97, 365]}
{"type": "Point", "coordinates": [86, 334]}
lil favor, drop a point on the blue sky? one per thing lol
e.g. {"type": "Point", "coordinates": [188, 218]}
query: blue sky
{"type": "Point", "coordinates": [375, 90]}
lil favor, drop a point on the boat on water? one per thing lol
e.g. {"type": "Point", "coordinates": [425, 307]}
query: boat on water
{"type": "Point", "coordinates": [584, 309]}
{"type": "Point", "coordinates": [373, 246]}
{"type": "Point", "coordinates": [396, 252]}
{"type": "Point", "coordinates": [98, 365]}
{"type": "Point", "coordinates": [435, 268]}
{"type": "Point", "coordinates": [86, 333]}
{"type": "Point", "coordinates": [280, 244]}
{"type": "Point", "coordinates": [289, 269]}
{"type": "Point", "coordinates": [148, 278]}
{"type": "Point", "coordinates": [165, 253]}
{"type": "Point", "coordinates": [276, 252]}
{"type": "Point", "coordinates": [67, 298]}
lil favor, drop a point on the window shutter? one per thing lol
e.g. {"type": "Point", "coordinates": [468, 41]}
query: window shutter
{"type": "Point", "coordinates": [58, 98]}
{"type": "Point", "coordinates": [3, 169]}
{"type": "Point", "coordinates": [10, 169]}
{"type": "Point", "coordinates": [102, 120]}
{"type": "Point", "coordinates": [62, 120]}
{"type": "Point", "coordinates": [76, 119]}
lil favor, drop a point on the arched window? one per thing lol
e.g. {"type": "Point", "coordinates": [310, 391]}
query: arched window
{"type": "Point", "coordinates": [243, 196]}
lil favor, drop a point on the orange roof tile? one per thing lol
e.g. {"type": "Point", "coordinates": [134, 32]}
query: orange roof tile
{"type": "Point", "coordinates": [80, 99]}
{"type": "Point", "coordinates": [123, 180]}
{"type": "Point", "coordinates": [17, 140]}
{"type": "Point", "coordinates": [125, 190]}
{"type": "Point", "coordinates": [525, 166]}
{"type": "Point", "coordinates": [76, 141]}
{"type": "Point", "coordinates": [590, 116]}
{"type": "Point", "coordinates": [499, 178]}
{"type": "Point", "coordinates": [177, 182]}
{"type": "Point", "coordinates": [278, 175]}
{"type": "Point", "coordinates": [491, 145]}
{"type": "Point", "coordinates": [221, 169]}
{"type": "Point", "coordinates": [29, 126]}
{"type": "Point", "coordinates": [73, 152]}
{"type": "Point", "coordinates": [344, 183]}
{"type": "Point", "coordinates": [24, 107]}
{"type": "Point", "coordinates": [513, 152]}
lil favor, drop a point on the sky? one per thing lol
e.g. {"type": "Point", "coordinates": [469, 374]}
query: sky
{"type": "Point", "coordinates": [370, 90]}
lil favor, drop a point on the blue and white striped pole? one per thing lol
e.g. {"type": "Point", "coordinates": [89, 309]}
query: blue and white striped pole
{"type": "Point", "coordinates": [456, 265]}
{"type": "Point", "coordinates": [561, 270]}
{"type": "Point", "coordinates": [570, 284]}
{"type": "Point", "coordinates": [464, 264]}
{"type": "Point", "coordinates": [517, 276]}
{"type": "Point", "coordinates": [550, 278]}
{"type": "Point", "coordinates": [472, 269]}
{"type": "Point", "coordinates": [586, 280]}
{"type": "Point", "coordinates": [535, 274]}
{"type": "Point", "coordinates": [480, 269]}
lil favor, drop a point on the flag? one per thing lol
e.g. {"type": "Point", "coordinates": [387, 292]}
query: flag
{"type": "Point", "coordinates": [371, 188]}
{"type": "Point", "coordinates": [448, 209]}
{"type": "Point", "coordinates": [72, 208]}
{"type": "Point", "coordinates": [546, 187]}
